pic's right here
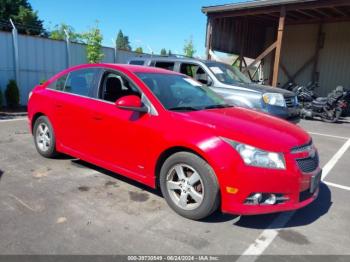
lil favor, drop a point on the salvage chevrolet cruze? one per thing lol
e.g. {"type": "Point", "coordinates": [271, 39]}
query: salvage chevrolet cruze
{"type": "Point", "coordinates": [168, 131]}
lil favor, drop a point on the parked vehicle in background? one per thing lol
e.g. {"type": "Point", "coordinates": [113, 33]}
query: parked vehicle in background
{"type": "Point", "coordinates": [166, 130]}
{"type": "Point", "coordinates": [230, 83]}
{"type": "Point", "coordinates": [329, 108]}
{"type": "Point", "coordinates": [306, 95]}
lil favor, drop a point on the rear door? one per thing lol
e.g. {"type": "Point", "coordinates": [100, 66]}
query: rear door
{"type": "Point", "coordinates": [70, 109]}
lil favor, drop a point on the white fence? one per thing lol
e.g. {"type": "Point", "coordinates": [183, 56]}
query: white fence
{"type": "Point", "coordinates": [41, 58]}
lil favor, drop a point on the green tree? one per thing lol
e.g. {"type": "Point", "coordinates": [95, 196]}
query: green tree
{"type": "Point", "coordinates": [123, 42]}
{"type": "Point", "coordinates": [139, 50]}
{"type": "Point", "coordinates": [163, 52]}
{"type": "Point", "coordinates": [59, 34]}
{"type": "Point", "coordinates": [23, 15]}
{"type": "Point", "coordinates": [93, 45]}
{"type": "Point", "coordinates": [189, 49]}
{"type": "Point", "coordinates": [12, 94]}
{"type": "Point", "coordinates": [169, 53]}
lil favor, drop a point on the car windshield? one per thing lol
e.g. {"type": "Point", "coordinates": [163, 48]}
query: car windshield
{"type": "Point", "coordinates": [181, 93]}
{"type": "Point", "coordinates": [228, 74]}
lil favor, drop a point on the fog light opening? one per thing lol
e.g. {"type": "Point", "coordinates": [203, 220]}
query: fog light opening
{"type": "Point", "coordinates": [270, 200]}
{"type": "Point", "coordinates": [265, 199]}
{"type": "Point", "coordinates": [254, 199]}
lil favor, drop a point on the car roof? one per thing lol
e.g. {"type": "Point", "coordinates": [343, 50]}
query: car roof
{"type": "Point", "coordinates": [145, 69]}
{"type": "Point", "coordinates": [169, 59]}
{"type": "Point", "coordinates": [130, 68]}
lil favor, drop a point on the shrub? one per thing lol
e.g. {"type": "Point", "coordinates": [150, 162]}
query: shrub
{"type": "Point", "coordinates": [12, 94]}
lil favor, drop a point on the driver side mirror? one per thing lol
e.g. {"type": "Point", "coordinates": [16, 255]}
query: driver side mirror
{"type": "Point", "coordinates": [131, 103]}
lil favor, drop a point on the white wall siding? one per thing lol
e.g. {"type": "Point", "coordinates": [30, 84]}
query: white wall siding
{"type": "Point", "coordinates": [299, 45]}
{"type": "Point", "coordinates": [6, 59]}
{"type": "Point", "coordinates": [334, 63]}
{"type": "Point", "coordinates": [40, 59]}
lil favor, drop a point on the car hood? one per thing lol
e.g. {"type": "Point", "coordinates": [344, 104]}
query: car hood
{"type": "Point", "coordinates": [250, 127]}
{"type": "Point", "coordinates": [262, 88]}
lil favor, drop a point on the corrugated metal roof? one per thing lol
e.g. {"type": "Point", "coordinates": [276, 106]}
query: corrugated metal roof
{"type": "Point", "coordinates": [251, 4]}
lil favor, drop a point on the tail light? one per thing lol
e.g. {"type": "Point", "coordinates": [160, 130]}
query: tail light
{"type": "Point", "coordinates": [343, 104]}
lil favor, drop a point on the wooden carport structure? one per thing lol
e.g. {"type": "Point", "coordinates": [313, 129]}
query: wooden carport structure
{"type": "Point", "coordinates": [242, 28]}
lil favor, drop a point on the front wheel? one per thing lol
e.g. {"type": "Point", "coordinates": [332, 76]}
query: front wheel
{"type": "Point", "coordinates": [44, 137]}
{"type": "Point", "coordinates": [333, 118]}
{"type": "Point", "coordinates": [189, 185]}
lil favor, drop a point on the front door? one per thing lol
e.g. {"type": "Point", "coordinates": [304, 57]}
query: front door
{"type": "Point", "coordinates": [120, 139]}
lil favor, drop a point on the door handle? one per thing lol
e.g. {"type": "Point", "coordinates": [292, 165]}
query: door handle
{"type": "Point", "coordinates": [97, 118]}
{"type": "Point", "coordinates": [58, 105]}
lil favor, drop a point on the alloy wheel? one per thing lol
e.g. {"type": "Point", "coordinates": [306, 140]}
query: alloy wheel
{"type": "Point", "coordinates": [43, 137]}
{"type": "Point", "coordinates": [185, 187]}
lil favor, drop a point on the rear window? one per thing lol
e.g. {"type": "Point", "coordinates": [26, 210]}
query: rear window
{"type": "Point", "coordinates": [81, 82]}
{"type": "Point", "coordinates": [58, 84]}
{"type": "Point", "coordinates": [165, 65]}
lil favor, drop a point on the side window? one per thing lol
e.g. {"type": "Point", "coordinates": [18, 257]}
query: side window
{"type": "Point", "coordinates": [59, 83]}
{"type": "Point", "coordinates": [81, 82]}
{"type": "Point", "coordinates": [202, 77]}
{"type": "Point", "coordinates": [114, 86]}
{"type": "Point", "coordinates": [188, 69]}
{"type": "Point", "coordinates": [196, 72]}
{"type": "Point", "coordinates": [137, 62]}
{"type": "Point", "coordinates": [165, 65]}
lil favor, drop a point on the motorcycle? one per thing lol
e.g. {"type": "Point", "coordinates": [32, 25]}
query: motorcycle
{"type": "Point", "coordinates": [305, 93]}
{"type": "Point", "coordinates": [329, 108]}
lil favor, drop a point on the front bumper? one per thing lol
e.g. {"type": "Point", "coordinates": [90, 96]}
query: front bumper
{"type": "Point", "coordinates": [293, 184]}
{"type": "Point", "coordinates": [291, 114]}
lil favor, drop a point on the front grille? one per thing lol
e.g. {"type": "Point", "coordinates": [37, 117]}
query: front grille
{"type": "Point", "coordinates": [308, 164]}
{"type": "Point", "coordinates": [290, 101]}
{"type": "Point", "coordinates": [302, 148]}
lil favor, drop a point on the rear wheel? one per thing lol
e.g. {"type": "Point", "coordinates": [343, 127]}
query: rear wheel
{"type": "Point", "coordinates": [189, 185]}
{"type": "Point", "coordinates": [333, 118]}
{"type": "Point", "coordinates": [44, 137]}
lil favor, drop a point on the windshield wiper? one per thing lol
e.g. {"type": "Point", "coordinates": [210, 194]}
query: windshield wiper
{"type": "Point", "coordinates": [218, 106]}
{"type": "Point", "coordinates": [183, 108]}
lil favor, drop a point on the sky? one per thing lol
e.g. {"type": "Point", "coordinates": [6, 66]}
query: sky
{"type": "Point", "coordinates": [150, 24]}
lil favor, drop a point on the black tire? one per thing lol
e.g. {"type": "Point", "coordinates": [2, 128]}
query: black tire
{"type": "Point", "coordinates": [211, 197]}
{"type": "Point", "coordinates": [50, 152]}
{"type": "Point", "coordinates": [335, 117]}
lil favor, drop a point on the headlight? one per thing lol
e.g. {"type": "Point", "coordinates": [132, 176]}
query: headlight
{"type": "Point", "coordinates": [253, 156]}
{"type": "Point", "coordinates": [274, 99]}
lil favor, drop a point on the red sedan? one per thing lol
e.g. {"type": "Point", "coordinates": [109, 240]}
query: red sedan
{"type": "Point", "coordinates": [166, 130]}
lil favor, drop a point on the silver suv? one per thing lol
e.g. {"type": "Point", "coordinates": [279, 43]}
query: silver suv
{"type": "Point", "coordinates": [233, 85]}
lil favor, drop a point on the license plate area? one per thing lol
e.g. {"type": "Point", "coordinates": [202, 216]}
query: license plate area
{"type": "Point", "coordinates": [315, 182]}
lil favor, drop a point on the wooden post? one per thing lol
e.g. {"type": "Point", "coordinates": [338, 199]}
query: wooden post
{"type": "Point", "coordinates": [244, 28]}
{"type": "Point", "coordinates": [319, 45]}
{"type": "Point", "coordinates": [261, 56]}
{"type": "Point", "coordinates": [209, 37]}
{"type": "Point", "coordinates": [246, 66]}
{"type": "Point", "coordinates": [279, 46]}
